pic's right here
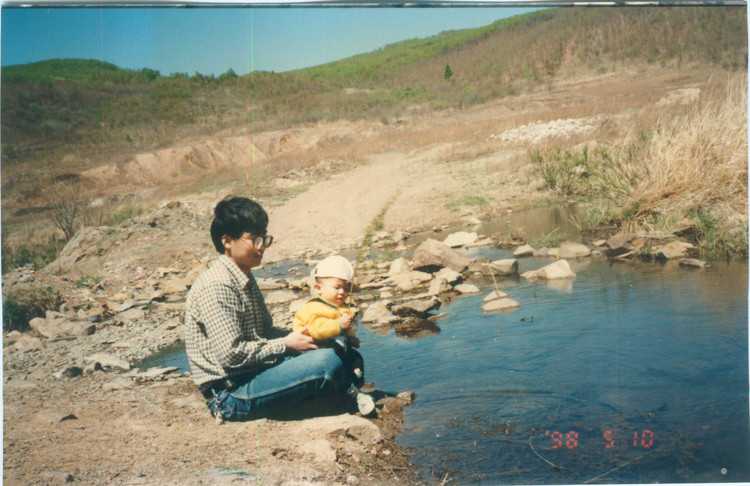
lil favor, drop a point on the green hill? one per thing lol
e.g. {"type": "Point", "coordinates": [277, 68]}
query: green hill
{"type": "Point", "coordinates": [96, 110]}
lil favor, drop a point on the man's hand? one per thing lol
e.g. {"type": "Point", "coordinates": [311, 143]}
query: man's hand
{"type": "Point", "coordinates": [300, 341]}
{"type": "Point", "coordinates": [345, 321]}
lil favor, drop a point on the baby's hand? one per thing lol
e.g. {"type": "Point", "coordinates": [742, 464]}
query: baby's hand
{"type": "Point", "coordinates": [345, 321]}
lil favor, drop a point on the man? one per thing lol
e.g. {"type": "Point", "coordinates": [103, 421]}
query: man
{"type": "Point", "coordinates": [241, 363]}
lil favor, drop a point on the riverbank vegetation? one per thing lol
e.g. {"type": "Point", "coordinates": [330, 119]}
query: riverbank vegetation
{"type": "Point", "coordinates": [686, 175]}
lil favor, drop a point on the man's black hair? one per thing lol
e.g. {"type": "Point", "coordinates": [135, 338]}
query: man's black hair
{"type": "Point", "coordinates": [235, 215]}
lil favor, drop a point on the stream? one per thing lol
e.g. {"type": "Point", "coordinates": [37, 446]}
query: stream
{"type": "Point", "coordinates": [633, 372]}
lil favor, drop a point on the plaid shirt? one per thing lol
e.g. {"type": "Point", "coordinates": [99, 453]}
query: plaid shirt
{"type": "Point", "coordinates": [228, 330]}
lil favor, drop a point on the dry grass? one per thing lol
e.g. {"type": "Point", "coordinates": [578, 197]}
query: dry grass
{"type": "Point", "coordinates": [688, 171]}
{"type": "Point", "coordinates": [698, 162]}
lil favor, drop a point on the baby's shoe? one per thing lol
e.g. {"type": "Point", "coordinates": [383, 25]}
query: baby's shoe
{"type": "Point", "coordinates": [365, 403]}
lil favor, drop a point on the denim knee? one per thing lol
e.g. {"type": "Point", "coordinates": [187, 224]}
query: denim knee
{"type": "Point", "coordinates": [327, 363]}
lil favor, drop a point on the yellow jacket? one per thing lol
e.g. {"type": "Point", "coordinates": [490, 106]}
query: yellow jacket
{"type": "Point", "coordinates": [322, 319]}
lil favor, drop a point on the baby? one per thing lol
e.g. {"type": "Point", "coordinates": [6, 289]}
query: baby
{"type": "Point", "coordinates": [328, 319]}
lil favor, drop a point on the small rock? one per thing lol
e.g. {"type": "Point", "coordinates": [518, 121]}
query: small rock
{"type": "Point", "coordinates": [131, 314]}
{"type": "Point", "coordinates": [378, 312]}
{"type": "Point", "coordinates": [26, 344]}
{"type": "Point", "coordinates": [676, 249]}
{"type": "Point", "coordinates": [622, 244]}
{"type": "Point", "coordinates": [57, 477]}
{"type": "Point", "coordinates": [406, 282]}
{"type": "Point", "coordinates": [321, 450]}
{"type": "Point", "coordinates": [125, 306]}
{"type": "Point", "coordinates": [571, 249]}
{"type": "Point", "coordinates": [557, 270]}
{"type": "Point", "coordinates": [432, 255]}
{"type": "Point", "coordinates": [119, 383]}
{"type": "Point", "coordinates": [156, 372]}
{"type": "Point", "coordinates": [506, 266]}
{"type": "Point", "coordinates": [408, 396]}
{"type": "Point", "coordinates": [418, 308]}
{"type": "Point", "coordinates": [60, 326]}
{"type": "Point", "coordinates": [269, 284]}
{"type": "Point", "coordinates": [398, 266]}
{"type": "Point", "coordinates": [169, 287]}
{"type": "Point", "coordinates": [108, 361]}
{"type": "Point", "coordinates": [494, 295]}
{"type": "Point", "coordinates": [439, 286]}
{"type": "Point", "coordinates": [173, 323]}
{"type": "Point", "coordinates": [523, 251]}
{"type": "Point", "coordinates": [496, 305]}
{"type": "Point", "coordinates": [280, 297]}
{"type": "Point", "coordinates": [69, 372]}
{"type": "Point", "coordinates": [693, 263]}
{"type": "Point", "coordinates": [55, 416]}
{"type": "Point", "coordinates": [366, 434]}
{"type": "Point", "coordinates": [466, 289]}
{"type": "Point", "coordinates": [448, 275]}
{"type": "Point", "coordinates": [461, 238]}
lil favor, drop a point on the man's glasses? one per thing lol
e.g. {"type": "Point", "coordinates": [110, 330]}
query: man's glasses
{"type": "Point", "coordinates": [260, 241]}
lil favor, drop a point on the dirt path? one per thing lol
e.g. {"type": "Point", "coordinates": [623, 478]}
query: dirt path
{"type": "Point", "coordinates": [335, 213]}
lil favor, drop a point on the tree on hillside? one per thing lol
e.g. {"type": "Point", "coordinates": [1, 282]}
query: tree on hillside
{"type": "Point", "coordinates": [448, 72]}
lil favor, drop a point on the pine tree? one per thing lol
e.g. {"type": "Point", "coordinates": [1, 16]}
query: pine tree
{"type": "Point", "coordinates": [448, 72]}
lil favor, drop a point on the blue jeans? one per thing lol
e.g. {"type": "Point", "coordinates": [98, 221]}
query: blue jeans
{"type": "Point", "coordinates": [292, 380]}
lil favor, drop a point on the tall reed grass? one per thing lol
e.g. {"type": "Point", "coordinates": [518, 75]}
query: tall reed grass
{"type": "Point", "coordinates": [688, 174]}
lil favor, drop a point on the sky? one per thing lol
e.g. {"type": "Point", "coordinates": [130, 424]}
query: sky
{"type": "Point", "coordinates": [214, 40]}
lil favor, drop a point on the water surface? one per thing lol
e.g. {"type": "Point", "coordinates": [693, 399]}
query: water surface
{"type": "Point", "coordinates": [631, 373]}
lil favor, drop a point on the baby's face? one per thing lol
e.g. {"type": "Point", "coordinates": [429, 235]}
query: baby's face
{"type": "Point", "coordinates": [333, 289]}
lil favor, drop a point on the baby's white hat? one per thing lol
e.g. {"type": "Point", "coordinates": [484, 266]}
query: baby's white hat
{"type": "Point", "coordinates": [334, 266]}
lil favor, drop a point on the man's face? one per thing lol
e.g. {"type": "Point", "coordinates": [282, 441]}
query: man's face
{"type": "Point", "coordinates": [244, 251]}
{"type": "Point", "coordinates": [332, 289]}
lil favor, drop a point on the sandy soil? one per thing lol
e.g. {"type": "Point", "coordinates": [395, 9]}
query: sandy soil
{"type": "Point", "coordinates": [114, 428]}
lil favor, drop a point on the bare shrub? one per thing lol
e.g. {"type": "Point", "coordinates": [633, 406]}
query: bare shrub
{"type": "Point", "coordinates": [63, 198]}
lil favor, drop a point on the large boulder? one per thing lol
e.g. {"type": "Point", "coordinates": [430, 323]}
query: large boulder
{"type": "Point", "coordinates": [557, 270]}
{"type": "Point", "coordinates": [432, 255]}
{"type": "Point", "coordinates": [571, 249]}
